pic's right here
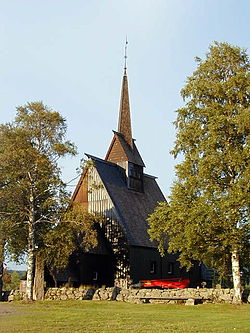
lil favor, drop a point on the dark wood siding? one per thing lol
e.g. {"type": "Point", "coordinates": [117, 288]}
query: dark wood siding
{"type": "Point", "coordinates": [82, 193]}
{"type": "Point", "coordinates": [91, 266]}
{"type": "Point", "coordinates": [142, 259]}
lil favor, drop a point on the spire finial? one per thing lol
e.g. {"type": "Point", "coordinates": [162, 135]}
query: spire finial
{"type": "Point", "coordinates": [125, 56]}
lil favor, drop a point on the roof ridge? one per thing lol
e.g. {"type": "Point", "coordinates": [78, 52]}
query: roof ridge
{"type": "Point", "coordinates": [150, 176]}
{"type": "Point", "coordinates": [100, 159]}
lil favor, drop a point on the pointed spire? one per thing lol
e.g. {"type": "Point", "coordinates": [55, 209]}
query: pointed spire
{"type": "Point", "coordinates": [124, 123]}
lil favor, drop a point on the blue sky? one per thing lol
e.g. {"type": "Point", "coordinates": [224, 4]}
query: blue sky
{"type": "Point", "coordinates": [69, 54]}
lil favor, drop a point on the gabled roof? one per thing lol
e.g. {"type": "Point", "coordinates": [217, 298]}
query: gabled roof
{"type": "Point", "coordinates": [131, 154]}
{"type": "Point", "coordinates": [132, 207]}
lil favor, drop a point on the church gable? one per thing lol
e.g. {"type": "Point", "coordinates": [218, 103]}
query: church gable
{"type": "Point", "coordinates": [116, 152]}
{"type": "Point", "coordinates": [98, 198]}
{"type": "Point", "coordinates": [121, 151]}
{"type": "Point", "coordinates": [80, 194]}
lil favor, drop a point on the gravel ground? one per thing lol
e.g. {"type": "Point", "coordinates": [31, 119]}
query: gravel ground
{"type": "Point", "coordinates": [6, 309]}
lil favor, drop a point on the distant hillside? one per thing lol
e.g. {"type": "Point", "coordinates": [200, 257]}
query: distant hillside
{"type": "Point", "coordinates": [21, 273]}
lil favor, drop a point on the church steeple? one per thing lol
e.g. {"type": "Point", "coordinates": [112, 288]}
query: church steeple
{"type": "Point", "coordinates": [122, 150]}
{"type": "Point", "coordinates": [124, 123]}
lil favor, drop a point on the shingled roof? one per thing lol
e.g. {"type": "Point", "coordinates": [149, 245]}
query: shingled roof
{"type": "Point", "coordinates": [132, 207]}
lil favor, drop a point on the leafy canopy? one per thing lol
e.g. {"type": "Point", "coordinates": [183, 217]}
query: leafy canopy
{"type": "Point", "coordinates": [75, 231]}
{"type": "Point", "coordinates": [208, 213]}
{"type": "Point", "coordinates": [29, 151]}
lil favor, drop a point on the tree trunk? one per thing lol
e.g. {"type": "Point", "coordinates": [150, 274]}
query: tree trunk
{"type": "Point", "coordinates": [31, 248]}
{"type": "Point", "coordinates": [53, 274]}
{"type": "Point", "coordinates": [1, 280]}
{"type": "Point", "coordinates": [30, 262]}
{"type": "Point", "coordinates": [1, 265]}
{"type": "Point", "coordinates": [38, 290]}
{"type": "Point", "coordinates": [237, 299]}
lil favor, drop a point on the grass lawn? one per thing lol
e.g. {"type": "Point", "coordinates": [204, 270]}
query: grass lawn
{"type": "Point", "coordinates": [104, 316]}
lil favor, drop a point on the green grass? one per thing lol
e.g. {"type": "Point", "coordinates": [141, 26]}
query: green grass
{"type": "Point", "coordinates": [101, 316]}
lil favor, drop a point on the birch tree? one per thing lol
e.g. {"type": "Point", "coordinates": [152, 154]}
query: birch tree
{"type": "Point", "coordinates": [5, 218]}
{"type": "Point", "coordinates": [207, 218]}
{"type": "Point", "coordinates": [1, 264]}
{"type": "Point", "coordinates": [29, 152]}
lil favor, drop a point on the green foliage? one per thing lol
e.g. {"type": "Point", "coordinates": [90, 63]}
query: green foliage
{"type": "Point", "coordinates": [209, 203]}
{"type": "Point", "coordinates": [11, 281]}
{"type": "Point", "coordinates": [75, 230]}
{"type": "Point", "coordinates": [158, 222]}
{"type": "Point", "coordinates": [32, 193]}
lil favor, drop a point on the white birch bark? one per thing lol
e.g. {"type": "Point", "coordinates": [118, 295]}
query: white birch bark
{"type": "Point", "coordinates": [236, 276]}
{"type": "Point", "coordinates": [31, 248]}
{"type": "Point", "coordinates": [1, 266]}
{"type": "Point", "coordinates": [30, 263]}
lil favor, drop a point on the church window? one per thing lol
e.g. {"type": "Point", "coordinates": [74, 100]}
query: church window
{"type": "Point", "coordinates": [170, 268]}
{"type": "Point", "coordinates": [135, 177]}
{"type": "Point", "coordinates": [153, 267]}
{"type": "Point", "coordinates": [95, 276]}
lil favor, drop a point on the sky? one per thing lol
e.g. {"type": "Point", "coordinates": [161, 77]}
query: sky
{"type": "Point", "coordinates": [70, 55]}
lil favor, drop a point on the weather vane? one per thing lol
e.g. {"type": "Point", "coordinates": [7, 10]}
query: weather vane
{"type": "Point", "coordinates": [125, 56]}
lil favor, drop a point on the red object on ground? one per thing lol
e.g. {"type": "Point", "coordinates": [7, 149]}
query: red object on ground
{"type": "Point", "coordinates": [175, 283]}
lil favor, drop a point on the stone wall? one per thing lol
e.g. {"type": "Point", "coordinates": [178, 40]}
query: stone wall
{"type": "Point", "coordinates": [134, 295]}
{"type": "Point", "coordinates": [16, 295]}
{"type": "Point", "coordinates": [69, 293]}
{"type": "Point", "coordinates": [109, 294]}
{"type": "Point", "coordinates": [206, 295]}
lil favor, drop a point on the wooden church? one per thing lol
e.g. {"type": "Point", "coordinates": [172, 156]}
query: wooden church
{"type": "Point", "coordinates": [117, 188]}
